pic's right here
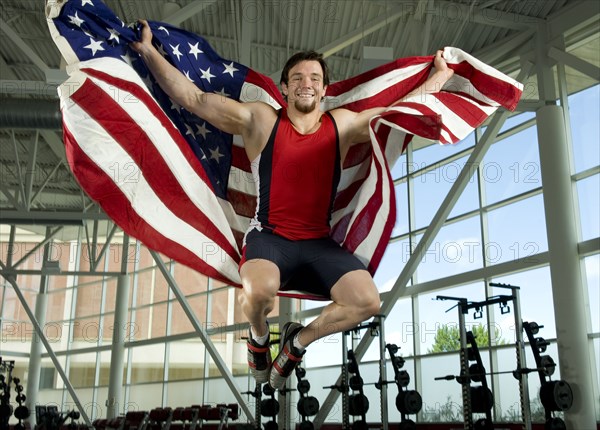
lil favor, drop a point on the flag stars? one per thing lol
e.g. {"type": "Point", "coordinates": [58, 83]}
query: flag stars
{"type": "Point", "coordinates": [202, 130]}
{"type": "Point", "coordinates": [176, 52]}
{"type": "Point", "coordinates": [95, 46]}
{"type": "Point", "coordinates": [127, 58]}
{"type": "Point", "coordinates": [187, 75]}
{"type": "Point", "coordinates": [216, 155]}
{"type": "Point", "coordinates": [114, 34]}
{"type": "Point", "coordinates": [194, 50]}
{"type": "Point", "coordinates": [162, 51]}
{"type": "Point", "coordinates": [165, 30]}
{"type": "Point", "coordinates": [175, 106]}
{"type": "Point", "coordinates": [84, 2]}
{"type": "Point", "coordinates": [189, 131]}
{"type": "Point", "coordinates": [207, 75]}
{"type": "Point", "coordinates": [75, 20]}
{"type": "Point", "coordinates": [229, 68]}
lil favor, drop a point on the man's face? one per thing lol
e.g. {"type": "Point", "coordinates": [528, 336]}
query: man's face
{"type": "Point", "coordinates": [305, 86]}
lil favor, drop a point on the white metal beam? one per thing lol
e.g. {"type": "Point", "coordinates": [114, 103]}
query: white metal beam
{"type": "Point", "coordinates": [491, 17]}
{"type": "Point", "coordinates": [40, 332]}
{"type": "Point", "coordinates": [16, 88]}
{"type": "Point", "coordinates": [207, 342]}
{"type": "Point", "coordinates": [188, 11]}
{"type": "Point", "coordinates": [55, 143]}
{"type": "Point", "coordinates": [575, 62]}
{"type": "Point", "coordinates": [572, 17]}
{"type": "Point", "coordinates": [20, 43]}
{"type": "Point", "coordinates": [354, 36]}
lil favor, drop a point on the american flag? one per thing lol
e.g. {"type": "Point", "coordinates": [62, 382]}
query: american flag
{"type": "Point", "coordinates": [184, 188]}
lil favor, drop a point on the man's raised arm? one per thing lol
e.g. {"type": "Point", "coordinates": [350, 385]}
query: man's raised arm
{"type": "Point", "coordinates": [226, 114]}
{"type": "Point", "coordinates": [358, 123]}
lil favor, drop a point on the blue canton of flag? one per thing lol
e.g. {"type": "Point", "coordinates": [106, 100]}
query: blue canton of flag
{"type": "Point", "coordinates": [94, 31]}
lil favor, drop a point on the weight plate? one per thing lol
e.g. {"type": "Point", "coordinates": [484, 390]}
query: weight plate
{"type": "Point", "coordinates": [403, 378]}
{"type": "Point", "coordinates": [482, 399]}
{"type": "Point", "coordinates": [556, 395]}
{"type": "Point", "coordinates": [548, 365]}
{"type": "Point", "coordinates": [303, 386]}
{"type": "Point", "coordinates": [358, 404]}
{"type": "Point", "coordinates": [409, 402]}
{"type": "Point", "coordinates": [356, 383]}
{"type": "Point", "coordinates": [308, 406]}
{"type": "Point", "coordinates": [476, 372]}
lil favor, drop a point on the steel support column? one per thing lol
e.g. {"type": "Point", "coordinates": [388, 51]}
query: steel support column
{"type": "Point", "coordinates": [115, 383]}
{"type": "Point", "coordinates": [565, 270]}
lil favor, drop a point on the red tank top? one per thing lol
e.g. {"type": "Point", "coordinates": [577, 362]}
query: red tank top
{"type": "Point", "coordinates": [297, 177]}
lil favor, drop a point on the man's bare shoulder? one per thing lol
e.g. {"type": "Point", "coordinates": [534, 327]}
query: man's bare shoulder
{"type": "Point", "coordinates": [342, 116]}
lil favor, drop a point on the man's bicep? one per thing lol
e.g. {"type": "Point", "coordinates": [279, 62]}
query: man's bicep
{"type": "Point", "coordinates": [361, 123]}
{"type": "Point", "coordinates": [224, 113]}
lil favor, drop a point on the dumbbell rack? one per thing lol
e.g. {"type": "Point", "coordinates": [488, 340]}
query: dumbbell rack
{"type": "Point", "coordinates": [464, 306]}
{"type": "Point", "coordinates": [377, 329]}
{"type": "Point", "coordinates": [555, 395]}
{"type": "Point", "coordinates": [6, 368]}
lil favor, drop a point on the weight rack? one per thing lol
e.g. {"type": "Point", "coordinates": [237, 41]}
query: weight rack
{"type": "Point", "coordinates": [464, 306]}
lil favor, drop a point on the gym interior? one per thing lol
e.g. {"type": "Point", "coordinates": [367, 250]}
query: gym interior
{"type": "Point", "coordinates": [490, 283]}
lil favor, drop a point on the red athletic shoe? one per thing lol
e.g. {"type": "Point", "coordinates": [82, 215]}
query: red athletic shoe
{"type": "Point", "coordinates": [259, 359]}
{"type": "Point", "coordinates": [288, 358]}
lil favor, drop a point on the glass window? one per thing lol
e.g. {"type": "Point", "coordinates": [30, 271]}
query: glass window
{"type": "Point", "coordinates": [442, 400]}
{"type": "Point", "coordinates": [401, 226]}
{"type": "Point", "coordinates": [146, 396]}
{"type": "Point", "coordinates": [433, 153]}
{"type": "Point", "coordinates": [516, 231]}
{"type": "Point", "coordinates": [186, 360]}
{"type": "Point", "coordinates": [82, 370]}
{"type": "Point", "coordinates": [147, 364]}
{"type": "Point", "coordinates": [432, 187]}
{"type": "Point", "coordinates": [584, 111]}
{"type": "Point", "coordinates": [456, 249]}
{"type": "Point", "coordinates": [588, 191]}
{"type": "Point", "coordinates": [592, 273]}
{"type": "Point", "coordinates": [511, 166]}
{"type": "Point", "coordinates": [439, 325]}
{"type": "Point", "coordinates": [182, 394]}
{"type": "Point", "coordinates": [400, 328]}
{"type": "Point", "coordinates": [325, 351]}
{"type": "Point", "coordinates": [399, 169]}
{"type": "Point", "coordinates": [394, 258]}
{"type": "Point", "coordinates": [536, 301]}
{"type": "Point", "coordinates": [89, 299]}
{"type": "Point", "coordinates": [515, 120]}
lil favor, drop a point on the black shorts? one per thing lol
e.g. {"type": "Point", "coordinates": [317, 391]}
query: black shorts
{"type": "Point", "coordinates": [312, 265]}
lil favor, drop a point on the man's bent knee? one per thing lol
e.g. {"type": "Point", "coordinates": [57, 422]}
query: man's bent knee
{"type": "Point", "coordinates": [260, 281]}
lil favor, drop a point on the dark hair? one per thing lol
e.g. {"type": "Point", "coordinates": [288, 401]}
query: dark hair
{"type": "Point", "coordinates": [305, 56]}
